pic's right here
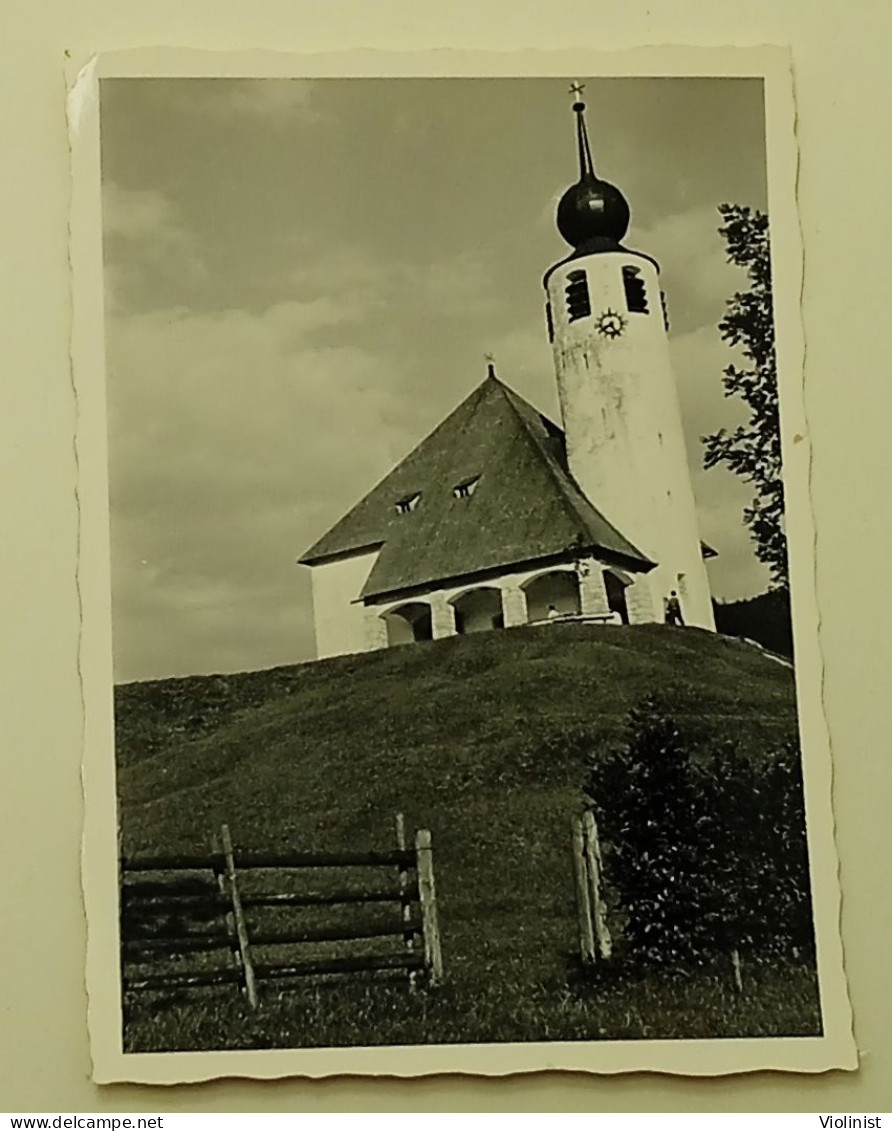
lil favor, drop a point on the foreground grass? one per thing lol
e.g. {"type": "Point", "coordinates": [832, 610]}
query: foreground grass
{"type": "Point", "coordinates": [776, 1002]}
{"type": "Point", "coordinates": [487, 741]}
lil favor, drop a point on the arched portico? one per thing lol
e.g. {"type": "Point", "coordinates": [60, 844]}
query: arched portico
{"type": "Point", "coordinates": [554, 593]}
{"type": "Point", "coordinates": [408, 623]}
{"type": "Point", "coordinates": [478, 610]}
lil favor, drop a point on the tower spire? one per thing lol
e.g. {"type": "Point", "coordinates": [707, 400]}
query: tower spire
{"type": "Point", "coordinates": [586, 165]}
{"type": "Point", "coordinates": [591, 212]}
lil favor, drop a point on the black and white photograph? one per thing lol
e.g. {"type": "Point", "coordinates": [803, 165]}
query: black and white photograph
{"type": "Point", "coordinates": [458, 659]}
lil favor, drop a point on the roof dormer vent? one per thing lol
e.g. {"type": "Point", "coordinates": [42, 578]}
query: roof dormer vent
{"type": "Point", "coordinates": [408, 503]}
{"type": "Point", "coordinates": [466, 488]}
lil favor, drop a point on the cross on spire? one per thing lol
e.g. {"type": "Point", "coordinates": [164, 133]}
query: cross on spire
{"type": "Point", "coordinates": [586, 165]}
{"type": "Point", "coordinates": [490, 364]}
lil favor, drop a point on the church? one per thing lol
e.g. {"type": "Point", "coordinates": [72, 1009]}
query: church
{"type": "Point", "coordinates": [499, 517]}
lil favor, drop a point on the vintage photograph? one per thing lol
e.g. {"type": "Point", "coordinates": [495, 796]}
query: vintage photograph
{"type": "Point", "coordinates": [454, 686]}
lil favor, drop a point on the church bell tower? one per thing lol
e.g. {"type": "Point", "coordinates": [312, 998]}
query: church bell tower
{"type": "Point", "coordinates": [625, 444]}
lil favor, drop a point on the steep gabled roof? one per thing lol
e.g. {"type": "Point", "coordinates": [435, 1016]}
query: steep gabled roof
{"type": "Point", "coordinates": [524, 504]}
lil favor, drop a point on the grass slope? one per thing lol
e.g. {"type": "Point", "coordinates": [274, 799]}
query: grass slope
{"type": "Point", "coordinates": [485, 740]}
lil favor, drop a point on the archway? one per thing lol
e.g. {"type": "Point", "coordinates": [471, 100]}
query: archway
{"type": "Point", "coordinates": [409, 623]}
{"type": "Point", "coordinates": [478, 610]}
{"type": "Point", "coordinates": [552, 594]}
{"type": "Point", "coordinates": [615, 583]}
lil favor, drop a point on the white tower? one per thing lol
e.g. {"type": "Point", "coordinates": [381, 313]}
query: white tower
{"type": "Point", "coordinates": [625, 444]}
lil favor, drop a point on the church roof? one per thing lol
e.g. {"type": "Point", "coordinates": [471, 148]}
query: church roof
{"type": "Point", "coordinates": [516, 501]}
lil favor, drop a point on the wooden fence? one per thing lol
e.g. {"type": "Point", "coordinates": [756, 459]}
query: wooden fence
{"type": "Point", "coordinates": [594, 935]}
{"type": "Point", "coordinates": [177, 912]}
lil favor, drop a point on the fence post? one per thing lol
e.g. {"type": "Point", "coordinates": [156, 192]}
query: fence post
{"type": "Point", "coordinates": [405, 901]}
{"type": "Point", "coordinates": [735, 967]}
{"type": "Point", "coordinates": [594, 869]}
{"type": "Point", "coordinates": [583, 899]}
{"type": "Point", "coordinates": [220, 878]}
{"type": "Point", "coordinates": [238, 913]}
{"type": "Point", "coordinates": [433, 958]}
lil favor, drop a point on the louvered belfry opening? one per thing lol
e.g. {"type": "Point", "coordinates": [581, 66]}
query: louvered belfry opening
{"type": "Point", "coordinates": [578, 302]}
{"type": "Point", "coordinates": [636, 293]}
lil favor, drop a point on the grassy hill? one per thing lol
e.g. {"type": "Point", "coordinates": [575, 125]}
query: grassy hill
{"type": "Point", "coordinates": [486, 741]}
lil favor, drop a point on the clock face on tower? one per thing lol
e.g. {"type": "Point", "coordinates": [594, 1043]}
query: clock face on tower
{"type": "Point", "coordinates": [610, 323]}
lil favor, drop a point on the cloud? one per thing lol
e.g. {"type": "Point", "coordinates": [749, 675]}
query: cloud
{"type": "Point", "coordinates": [450, 287]}
{"type": "Point", "coordinates": [347, 267]}
{"type": "Point", "coordinates": [455, 286]}
{"type": "Point", "coordinates": [235, 439]}
{"type": "Point", "coordinates": [141, 215]}
{"type": "Point", "coordinates": [237, 436]}
{"type": "Point", "coordinates": [721, 497]}
{"type": "Point", "coordinates": [277, 101]}
{"type": "Point", "coordinates": [695, 273]}
{"type": "Point", "coordinates": [698, 359]}
{"type": "Point", "coordinates": [523, 359]}
{"type": "Point", "coordinates": [144, 235]}
{"type": "Point", "coordinates": [547, 213]}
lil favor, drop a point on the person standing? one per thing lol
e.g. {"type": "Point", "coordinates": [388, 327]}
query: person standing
{"type": "Point", "coordinates": [673, 610]}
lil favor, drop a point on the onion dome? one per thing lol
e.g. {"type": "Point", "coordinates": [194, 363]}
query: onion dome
{"type": "Point", "coordinates": [592, 210]}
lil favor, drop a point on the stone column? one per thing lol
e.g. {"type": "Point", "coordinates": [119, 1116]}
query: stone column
{"type": "Point", "coordinates": [375, 629]}
{"type": "Point", "coordinates": [592, 590]}
{"type": "Point", "coordinates": [442, 616]}
{"type": "Point", "coordinates": [514, 605]}
{"type": "Point", "coordinates": [640, 601]}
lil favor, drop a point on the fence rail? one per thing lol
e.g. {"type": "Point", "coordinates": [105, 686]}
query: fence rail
{"type": "Point", "coordinates": [213, 899]}
{"type": "Point", "coordinates": [264, 860]}
{"type": "Point", "coordinates": [187, 905]}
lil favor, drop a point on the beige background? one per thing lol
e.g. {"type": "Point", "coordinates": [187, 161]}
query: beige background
{"type": "Point", "coordinates": [843, 96]}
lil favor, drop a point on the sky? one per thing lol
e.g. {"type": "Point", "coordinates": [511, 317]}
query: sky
{"type": "Point", "coordinates": [303, 277]}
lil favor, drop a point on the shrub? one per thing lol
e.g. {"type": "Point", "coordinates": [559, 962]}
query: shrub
{"type": "Point", "coordinates": [705, 851]}
{"type": "Point", "coordinates": [754, 831]}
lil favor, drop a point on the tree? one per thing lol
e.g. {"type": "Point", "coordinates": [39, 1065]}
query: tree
{"type": "Point", "coordinates": [753, 450]}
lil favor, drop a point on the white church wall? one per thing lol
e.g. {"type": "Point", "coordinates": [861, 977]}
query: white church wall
{"type": "Point", "coordinates": [342, 624]}
{"type": "Point", "coordinates": [665, 579]}
{"type": "Point", "coordinates": [625, 443]}
{"type": "Point", "coordinates": [377, 631]}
